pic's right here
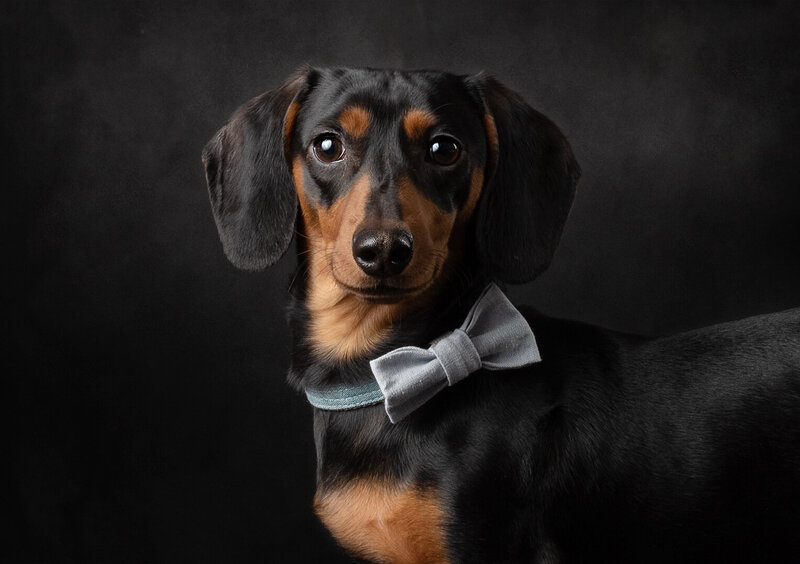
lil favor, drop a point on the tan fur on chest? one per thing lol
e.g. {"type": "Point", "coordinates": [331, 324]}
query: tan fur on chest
{"type": "Point", "coordinates": [384, 523]}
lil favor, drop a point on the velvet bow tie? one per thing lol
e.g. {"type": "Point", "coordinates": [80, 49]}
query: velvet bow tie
{"type": "Point", "coordinates": [494, 336]}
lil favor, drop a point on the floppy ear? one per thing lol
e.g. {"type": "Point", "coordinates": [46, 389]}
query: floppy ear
{"type": "Point", "coordinates": [531, 181]}
{"type": "Point", "coordinates": [251, 189]}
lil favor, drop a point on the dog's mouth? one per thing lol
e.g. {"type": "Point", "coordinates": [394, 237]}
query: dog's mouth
{"type": "Point", "coordinates": [382, 293]}
{"type": "Point", "coordinates": [388, 290]}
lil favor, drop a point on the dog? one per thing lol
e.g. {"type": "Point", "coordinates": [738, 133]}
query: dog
{"type": "Point", "coordinates": [412, 194]}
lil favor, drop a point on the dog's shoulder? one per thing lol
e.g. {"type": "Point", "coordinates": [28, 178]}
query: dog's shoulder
{"type": "Point", "coordinates": [568, 342]}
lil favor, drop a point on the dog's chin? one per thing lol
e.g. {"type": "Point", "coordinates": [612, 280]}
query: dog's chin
{"type": "Point", "coordinates": [382, 298]}
{"type": "Point", "coordinates": [384, 292]}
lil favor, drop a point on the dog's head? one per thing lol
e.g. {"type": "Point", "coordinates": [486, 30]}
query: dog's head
{"type": "Point", "coordinates": [396, 174]}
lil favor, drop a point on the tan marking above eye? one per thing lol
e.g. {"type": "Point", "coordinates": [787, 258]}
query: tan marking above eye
{"type": "Point", "coordinates": [355, 121]}
{"type": "Point", "coordinates": [416, 122]}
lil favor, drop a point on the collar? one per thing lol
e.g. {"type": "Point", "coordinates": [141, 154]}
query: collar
{"type": "Point", "coordinates": [342, 398]}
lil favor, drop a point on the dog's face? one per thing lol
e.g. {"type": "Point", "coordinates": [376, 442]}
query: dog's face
{"type": "Point", "coordinates": [397, 176]}
{"type": "Point", "coordinates": [388, 168]}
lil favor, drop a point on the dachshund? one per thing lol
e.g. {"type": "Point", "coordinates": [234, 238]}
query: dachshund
{"type": "Point", "coordinates": [411, 193]}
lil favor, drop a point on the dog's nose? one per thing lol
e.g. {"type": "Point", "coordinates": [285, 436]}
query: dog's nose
{"type": "Point", "coordinates": [381, 253]}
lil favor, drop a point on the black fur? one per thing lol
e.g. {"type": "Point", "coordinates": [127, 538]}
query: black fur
{"type": "Point", "coordinates": [251, 189]}
{"type": "Point", "coordinates": [536, 170]}
{"type": "Point", "coordinates": [615, 448]}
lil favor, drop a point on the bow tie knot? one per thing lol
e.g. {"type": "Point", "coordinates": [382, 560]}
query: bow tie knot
{"type": "Point", "coordinates": [457, 354]}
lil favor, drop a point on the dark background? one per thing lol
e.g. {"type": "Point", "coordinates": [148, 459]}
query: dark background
{"type": "Point", "coordinates": [150, 420]}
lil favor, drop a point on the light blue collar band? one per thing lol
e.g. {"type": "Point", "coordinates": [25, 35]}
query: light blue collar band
{"type": "Point", "coordinates": [341, 398]}
{"type": "Point", "coordinates": [494, 336]}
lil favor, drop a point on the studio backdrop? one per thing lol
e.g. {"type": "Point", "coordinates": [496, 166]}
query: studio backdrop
{"type": "Point", "coordinates": [150, 417]}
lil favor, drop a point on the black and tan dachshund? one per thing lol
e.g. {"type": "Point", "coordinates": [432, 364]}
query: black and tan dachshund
{"type": "Point", "coordinates": [410, 192]}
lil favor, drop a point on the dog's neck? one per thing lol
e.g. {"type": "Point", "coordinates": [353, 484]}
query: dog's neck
{"type": "Point", "coordinates": [341, 327]}
{"type": "Point", "coordinates": [361, 331]}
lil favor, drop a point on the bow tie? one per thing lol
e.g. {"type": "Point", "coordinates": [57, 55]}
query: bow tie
{"type": "Point", "coordinates": [494, 336]}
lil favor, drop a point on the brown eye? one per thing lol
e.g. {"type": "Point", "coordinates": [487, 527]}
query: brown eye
{"type": "Point", "coordinates": [328, 148]}
{"type": "Point", "coordinates": [444, 150]}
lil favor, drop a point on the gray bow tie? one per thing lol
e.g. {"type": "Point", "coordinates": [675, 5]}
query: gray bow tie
{"type": "Point", "coordinates": [494, 336]}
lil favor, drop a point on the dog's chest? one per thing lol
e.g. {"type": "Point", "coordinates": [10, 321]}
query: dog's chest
{"type": "Point", "coordinates": [385, 523]}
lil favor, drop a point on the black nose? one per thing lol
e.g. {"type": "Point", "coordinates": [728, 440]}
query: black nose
{"type": "Point", "coordinates": [382, 253]}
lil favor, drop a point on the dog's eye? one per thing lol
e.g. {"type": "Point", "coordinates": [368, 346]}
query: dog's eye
{"type": "Point", "coordinates": [328, 148]}
{"type": "Point", "coordinates": [444, 150]}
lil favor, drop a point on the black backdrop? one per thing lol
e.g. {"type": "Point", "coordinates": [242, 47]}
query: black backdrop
{"type": "Point", "coordinates": [150, 418]}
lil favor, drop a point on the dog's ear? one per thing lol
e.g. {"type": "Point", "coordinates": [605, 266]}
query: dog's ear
{"type": "Point", "coordinates": [249, 183]}
{"type": "Point", "coordinates": [530, 184]}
